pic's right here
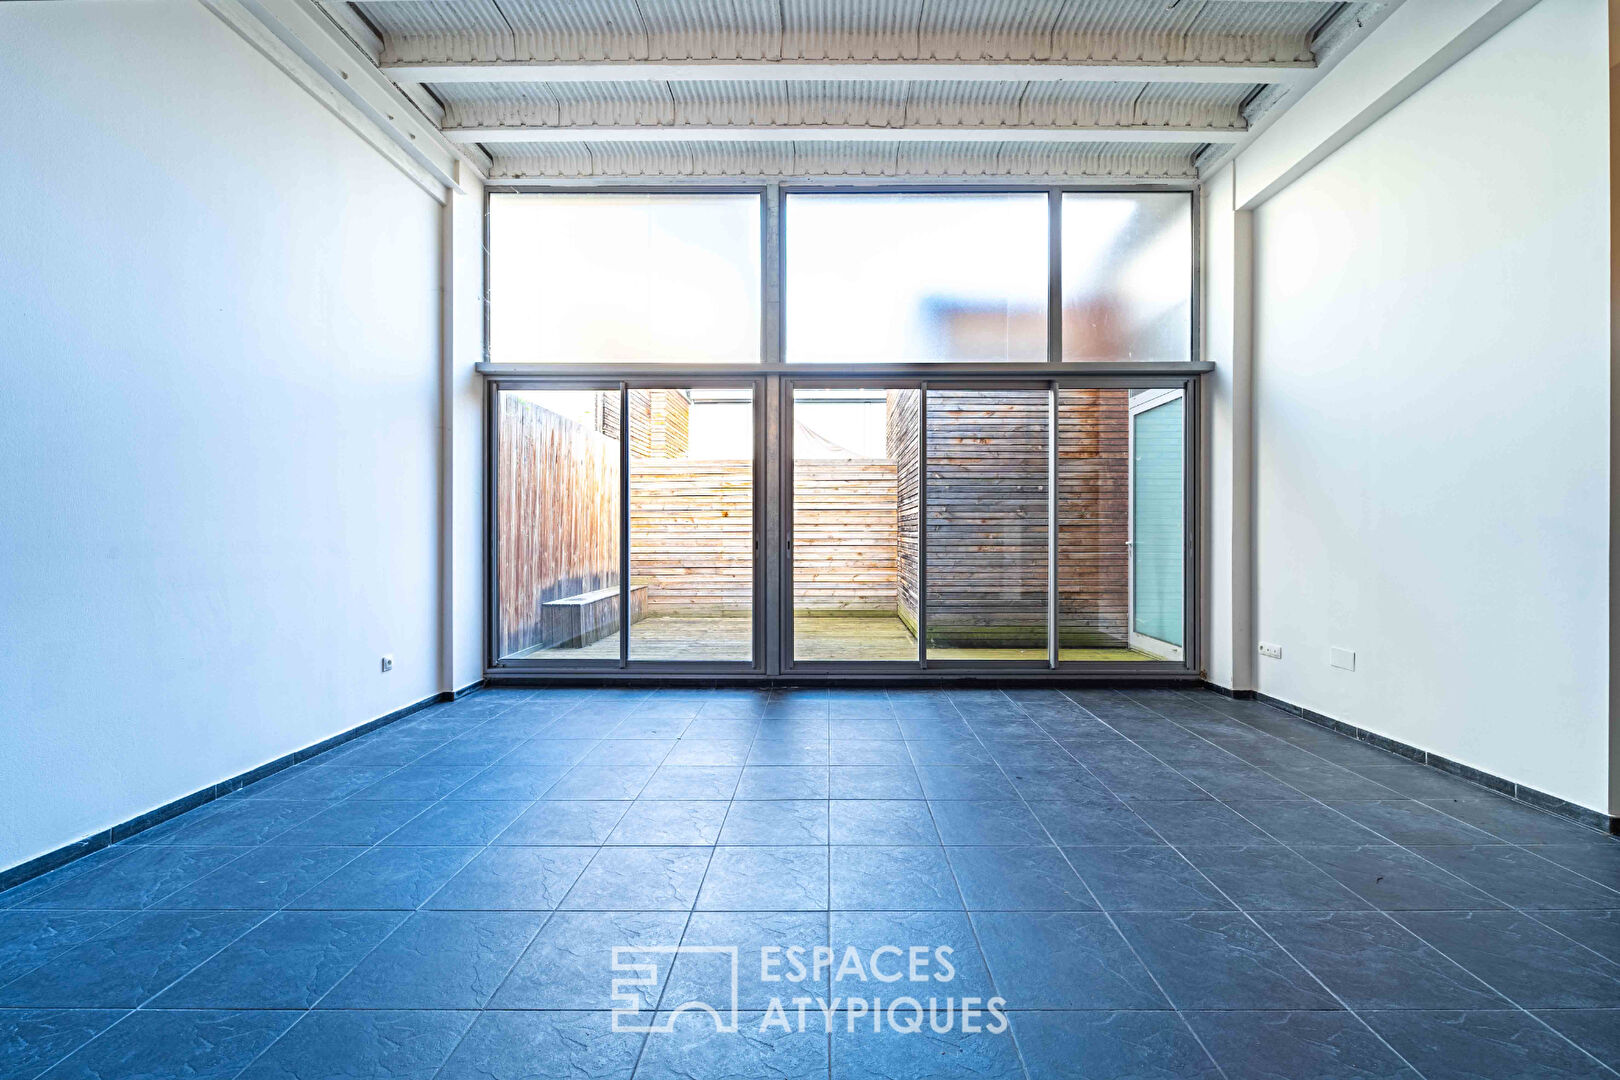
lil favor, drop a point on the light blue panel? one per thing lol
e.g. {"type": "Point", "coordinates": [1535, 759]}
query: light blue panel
{"type": "Point", "coordinates": [1156, 521]}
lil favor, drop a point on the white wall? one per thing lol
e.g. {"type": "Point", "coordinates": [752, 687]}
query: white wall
{"type": "Point", "coordinates": [465, 391]}
{"type": "Point", "coordinates": [219, 389]}
{"type": "Point", "coordinates": [1228, 450]}
{"type": "Point", "coordinates": [1432, 422]}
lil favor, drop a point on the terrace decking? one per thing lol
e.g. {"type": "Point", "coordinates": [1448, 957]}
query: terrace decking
{"type": "Point", "coordinates": [816, 637]}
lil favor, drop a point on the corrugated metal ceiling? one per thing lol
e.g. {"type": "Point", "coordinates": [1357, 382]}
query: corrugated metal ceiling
{"type": "Point", "coordinates": [1104, 31]}
{"type": "Point", "coordinates": [864, 104]}
{"type": "Point", "coordinates": [1247, 32]}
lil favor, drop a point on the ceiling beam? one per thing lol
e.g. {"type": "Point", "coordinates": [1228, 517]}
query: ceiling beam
{"type": "Point", "coordinates": [835, 133]}
{"type": "Point", "coordinates": [856, 71]}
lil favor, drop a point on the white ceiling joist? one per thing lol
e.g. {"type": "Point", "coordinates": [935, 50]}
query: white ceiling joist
{"type": "Point", "coordinates": [836, 133]}
{"type": "Point", "coordinates": [611, 71]}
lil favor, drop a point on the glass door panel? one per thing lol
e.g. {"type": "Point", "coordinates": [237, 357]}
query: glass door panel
{"type": "Point", "coordinates": [1120, 551]}
{"type": "Point", "coordinates": [1093, 510]}
{"type": "Point", "coordinates": [1158, 547]}
{"type": "Point", "coordinates": [987, 509]}
{"type": "Point", "coordinates": [691, 523]}
{"type": "Point", "coordinates": [557, 478]}
{"type": "Point", "coordinates": [854, 527]}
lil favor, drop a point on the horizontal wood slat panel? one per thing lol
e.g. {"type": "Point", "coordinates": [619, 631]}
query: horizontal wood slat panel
{"type": "Point", "coordinates": [844, 530]}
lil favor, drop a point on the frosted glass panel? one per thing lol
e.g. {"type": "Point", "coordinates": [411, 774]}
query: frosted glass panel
{"type": "Point", "coordinates": [1127, 277]}
{"type": "Point", "coordinates": [898, 278]}
{"type": "Point", "coordinates": [624, 278]}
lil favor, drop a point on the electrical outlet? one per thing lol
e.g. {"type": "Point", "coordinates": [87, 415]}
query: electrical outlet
{"type": "Point", "coordinates": [1273, 651]}
{"type": "Point", "coordinates": [1342, 658]}
{"type": "Point", "coordinates": [388, 663]}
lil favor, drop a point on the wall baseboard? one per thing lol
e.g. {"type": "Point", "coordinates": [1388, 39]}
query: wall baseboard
{"type": "Point", "coordinates": [1228, 692]}
{"type": "Point", "coordinates": [62, 856]}
{"type": "Point", "coordinates": [1501, 785]}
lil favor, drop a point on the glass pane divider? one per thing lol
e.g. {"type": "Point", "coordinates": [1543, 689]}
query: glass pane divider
{"type": "Point", "coordinates": [922, 525]}
{"type": "Point", "coordinates": [1054, 270]}
{"type": "Point", "coordinates": [624, 524]}
{"type": "Point", "coordinates": [1052, 526]}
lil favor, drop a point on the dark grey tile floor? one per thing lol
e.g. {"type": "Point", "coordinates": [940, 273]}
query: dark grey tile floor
{"type": "Point", "coordinates": [1158, 883]}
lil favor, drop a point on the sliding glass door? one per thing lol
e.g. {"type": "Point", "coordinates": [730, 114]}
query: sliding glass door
{"type": "Point", "coordinates": [557, 525]}
{"type": "Point", "coordinates": [692, 523]}
{"type": "Point", "coordinates": [853, 534]}
{"type": "Point", "coordinates": [625, 526]}
{"type": "Point", "coordinates": [1158, 548]}
{"type": "Point", "coordinates": [987, 498]}
{"type": "Point", "coordinates": [993, 526]}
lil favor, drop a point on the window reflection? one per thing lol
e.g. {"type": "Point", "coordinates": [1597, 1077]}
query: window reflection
{"type": "Point", "coordinates": [1127, 277]}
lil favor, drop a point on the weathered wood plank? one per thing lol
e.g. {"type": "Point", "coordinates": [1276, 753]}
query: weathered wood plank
{"type": "Point", "coordinates": [559, 517]}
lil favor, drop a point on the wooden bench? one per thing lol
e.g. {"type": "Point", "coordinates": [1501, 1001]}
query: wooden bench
{"type": "Point", "coordinates": [571, 622]}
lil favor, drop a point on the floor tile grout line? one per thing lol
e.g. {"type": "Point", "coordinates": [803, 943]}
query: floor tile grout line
{"type": "Point", "coordinates": [686, 927]}
{"type": "Point", "coordinates": [967, 917]}
{"type": "Point", "coordinates": [129, 914]}
{"type": "Point", "coordinates": [305, 1013]}
{"type": "Point", "coordinates": [1416, 936]}
{"type": "Point", "coordinates": [545, 922]}
{"type": "Point", "coordinates": [54, 1062]}
{"type": "Point", "coordinates": [1244, 911]}
{"type": "Point", "coordinates": [551, 915]}
{"type": "Point", "coordinates": [1113, 924]}
{"type": "Point", "coordinates": [1381, 836]}
{"type": "Point", "coordinates": [269, 914]}
{"type": "Point", "coordinates": [1408, 848]}
{"type": "Point", "coordinates": [151, 997]}
{"type": "Point", "coordinates": [978, 737]}
{"type": "Point", "coordinates": [1398, 761]}
{"type": "Point", "coordinates": [1440, 951]}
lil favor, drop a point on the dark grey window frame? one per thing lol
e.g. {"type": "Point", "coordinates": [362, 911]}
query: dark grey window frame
{"type": "Point", "coordinates": [773, 381]}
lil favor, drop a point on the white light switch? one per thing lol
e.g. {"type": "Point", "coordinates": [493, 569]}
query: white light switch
{"type": "Point", "coordinates": [1273, 651]}
{"type": "Point", "coordinates": [1342, 658]}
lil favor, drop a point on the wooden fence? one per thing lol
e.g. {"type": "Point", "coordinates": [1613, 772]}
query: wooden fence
{"type": "Point", "coordinates": [902, 448]}
{"type": "Point", "coordinates": [844, 537]}
{"type": "Point", "coordinates": [987, 509]}
{"type": "Point", "coordinates": [1093, 516]}
{"type": "Point", "coordinates": [558, 515]}
{"type": "Point", "coordinates": [855, 524]}
{"type": "Point", "coordinates": [692, 535]}
{"type": "Point", "coordinates": [691, 524]}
